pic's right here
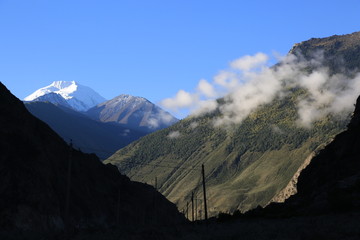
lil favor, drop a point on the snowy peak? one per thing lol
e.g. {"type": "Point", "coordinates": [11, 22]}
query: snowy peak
{"type": "Point", "coordinates": [63, 84]}
{"type": "Point", "coordinates": [79, 97]}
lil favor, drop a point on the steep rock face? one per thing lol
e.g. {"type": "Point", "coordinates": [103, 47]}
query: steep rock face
{"type": "Point", "coordinates": [34, 165]}
{"type": "Point", "coordinates": [135, 112]}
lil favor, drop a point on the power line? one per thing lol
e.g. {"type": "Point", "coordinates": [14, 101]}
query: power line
{"type": "Point", "coordinates": [195, 167]}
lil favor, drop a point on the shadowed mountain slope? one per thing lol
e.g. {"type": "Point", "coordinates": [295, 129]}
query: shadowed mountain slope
{"type": "Point", "coordinates": [34, 167]}
{"type": "Point", "coordinates": [87, 134]}
{"type": "Point", "coordinates": [331, 182]}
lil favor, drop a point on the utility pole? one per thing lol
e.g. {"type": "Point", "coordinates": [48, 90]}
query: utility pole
{"type": "Point", "coordinates": [156, 183]}
{"type": "Point", "coordinates": [204, 191]}
{"type": "Point", "coordinates": [196, 211]}
{"type": "Point", "coordinates": [192, 205]}
{"type": "Point", "coordinates": [187, 210]}
{"type": "Point", "coordinates": [68, 189]}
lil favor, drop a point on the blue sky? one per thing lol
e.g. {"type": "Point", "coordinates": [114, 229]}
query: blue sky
{"type": "Point", "coordinates": [151, 48]}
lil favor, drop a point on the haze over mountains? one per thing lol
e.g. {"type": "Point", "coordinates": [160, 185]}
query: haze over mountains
{"type": "Point", "coordinates": [256, 139]}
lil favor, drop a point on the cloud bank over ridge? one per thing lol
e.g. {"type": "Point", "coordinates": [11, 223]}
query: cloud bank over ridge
{"type": "Point", "coordinates": [250, 83]}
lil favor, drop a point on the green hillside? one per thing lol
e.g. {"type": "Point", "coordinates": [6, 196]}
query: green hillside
{"type": "Point", "coordinates": [246, 164]}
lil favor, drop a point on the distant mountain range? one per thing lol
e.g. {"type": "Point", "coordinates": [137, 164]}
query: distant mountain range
{"type": "Point", "coordinates": [258, 160]}
{"type": "Point", "coordinates": [79, 113]}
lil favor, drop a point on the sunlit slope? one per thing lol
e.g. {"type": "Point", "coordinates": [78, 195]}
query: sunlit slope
{"type": "Point", "coordinates": [246, 165]}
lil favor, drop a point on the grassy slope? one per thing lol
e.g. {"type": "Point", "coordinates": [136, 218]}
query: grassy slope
{"type": "Point", "coordinates": [245, 165]}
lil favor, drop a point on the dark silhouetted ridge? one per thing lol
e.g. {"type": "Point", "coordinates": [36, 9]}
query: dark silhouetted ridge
{"type": "Point", "coordinates": [33, 182]}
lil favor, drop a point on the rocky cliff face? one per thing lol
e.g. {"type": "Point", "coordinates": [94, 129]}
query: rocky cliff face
{"type": "Point", "coordinates": [34, 173]}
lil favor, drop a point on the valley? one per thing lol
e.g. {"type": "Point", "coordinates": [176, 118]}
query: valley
{"type": "Point", "coordinates": [281, 159]}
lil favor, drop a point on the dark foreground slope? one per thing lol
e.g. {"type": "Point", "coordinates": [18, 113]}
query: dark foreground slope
{"type": "Point", "coordinates": [33, 182]}
{"type": "Point", "coordinates": [331, 183]}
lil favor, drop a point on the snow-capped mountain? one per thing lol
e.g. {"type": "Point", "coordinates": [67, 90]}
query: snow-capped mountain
{"type": "Point", "coordinates": [133, 111]}
{"type": "Point", "coordinates": [78, 96]}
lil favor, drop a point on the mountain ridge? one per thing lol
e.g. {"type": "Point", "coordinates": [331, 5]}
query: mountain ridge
{"type": "Point", "coordinates": [254, 161]}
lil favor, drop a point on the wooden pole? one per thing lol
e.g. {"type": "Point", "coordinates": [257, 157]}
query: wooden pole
{"type": "Point", "coordinates": [192, 205]}
{"type": "Point", "coordinates": [204, 191]}
{"type": "Point", "coordinates": [155, 183]}
{"type": "Point", "coordinates": [196, 210]}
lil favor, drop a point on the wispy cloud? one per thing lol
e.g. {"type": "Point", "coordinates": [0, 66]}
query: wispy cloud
{"type": "Point", "coordinates": [250, 83]}
{"type": "Point", "coordinates": [174, 135]}
{"type": "Point", "coordinates": [182, 99]}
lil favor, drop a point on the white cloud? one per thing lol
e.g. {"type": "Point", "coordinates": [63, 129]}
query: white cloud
{"type": "Point", "coordinates": [245, 98]}
{"type": "Point", "coordinates": [160, 118]}
{"type": "Point", "coordinates": [247, 63]}
{"type": "Point", "coordinates": [249, 83]}
{"type": "Point", "coordinates": [276, 129]}
{"type": "Point", "coordinates": [206, 89]}
{"type": "Point", "coordinates": [182, 99]}
{"type": "Point", "coordinates": [205, 106]}
{"type": "Point", "coordinates": [174, 135]}
{"type": "Point", "coordinates": [226, 79]}
{"type": "Point", "coordinates": [194, 125]}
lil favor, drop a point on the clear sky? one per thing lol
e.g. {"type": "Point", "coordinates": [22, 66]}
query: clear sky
{"type": "Point", "coordinates": [152, 48]}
